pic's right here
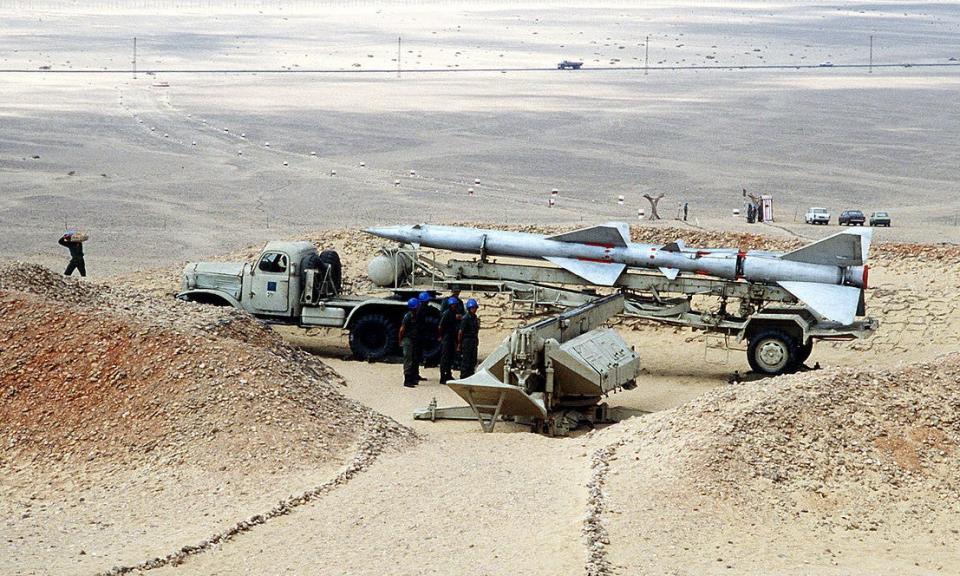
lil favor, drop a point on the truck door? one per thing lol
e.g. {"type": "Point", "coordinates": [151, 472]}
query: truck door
{"type": "Point", "coordinates": [271, 283]}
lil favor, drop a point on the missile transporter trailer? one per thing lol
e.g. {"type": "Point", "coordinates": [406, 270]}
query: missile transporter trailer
{"type": "Point", "coordinates": [774, 328]}
{"type": "Point", "coordinates": [294, 283]}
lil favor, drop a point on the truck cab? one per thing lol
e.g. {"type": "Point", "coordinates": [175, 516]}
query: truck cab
{"type": "Point", "coordinates": [270, 286]}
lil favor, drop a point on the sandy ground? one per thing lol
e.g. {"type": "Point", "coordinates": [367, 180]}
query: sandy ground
{"type": "Point", "coordinates": [116, 156]}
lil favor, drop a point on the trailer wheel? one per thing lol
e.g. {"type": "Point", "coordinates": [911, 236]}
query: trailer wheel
{"type": "Point", "coordinates": [373, 337]}
{"type": "Point", "coordinates": [772, 352]}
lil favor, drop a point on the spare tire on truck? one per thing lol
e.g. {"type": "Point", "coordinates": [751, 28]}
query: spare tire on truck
{"type": "Point", "coordinates": [373, 336]}
{"type": "Point", "coordinates": [332, 260]}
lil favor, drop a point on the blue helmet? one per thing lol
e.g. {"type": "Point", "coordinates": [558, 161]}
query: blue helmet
{"type": "Point", "coordinates": [424, 296]}
{"type": "Point", "coordinates": [471, 303]}
{"type": "Point", "coordinates": [413, 303]}
{"type": "Point", "coordinates": [452, 300]}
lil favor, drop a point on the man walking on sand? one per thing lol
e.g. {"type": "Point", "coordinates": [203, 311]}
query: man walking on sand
{"type": "Point", "coordinates": [73, 241]}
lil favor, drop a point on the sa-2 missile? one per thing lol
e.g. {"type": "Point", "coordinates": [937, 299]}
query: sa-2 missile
{"type": "Point", "coordinates": [827, 275]}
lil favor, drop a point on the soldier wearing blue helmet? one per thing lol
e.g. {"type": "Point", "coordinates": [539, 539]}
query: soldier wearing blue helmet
{"type": "Point", "coordinates": [468, 339]}
{"type": "Point", "coordinates": [448, 330]}
{"type": "Point", "coordinates": [424, 333]}
{"type": "Point", "coordinates": [409, 342]}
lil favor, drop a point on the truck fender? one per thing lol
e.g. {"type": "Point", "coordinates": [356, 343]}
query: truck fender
{"type": "Point", "coordinates": [209, 297]}
{"type": "Point", "coordinates": [367, 307]}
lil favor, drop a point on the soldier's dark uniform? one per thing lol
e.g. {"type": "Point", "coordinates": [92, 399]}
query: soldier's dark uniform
{"type": "Point", "coordinates": [469, 342]}
{"type": "Point", "coordinates": [423, 335]}
{"type": "Point", "coordinates": [76, 256]}
{"type": "Point", "coordinates": [449, 326]}
{"type": "Point", "coordinates": [410, 345]}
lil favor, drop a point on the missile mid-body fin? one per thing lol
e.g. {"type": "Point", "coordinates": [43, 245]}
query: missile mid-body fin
{"type": "Point", "coordinates": [670, 273]}
{"type": "Point", "coordinates": [610, 234]}
{"type": "Point", "coordinates": [600, 273]}
{"type": "Point", "coordinates": [847, 248]}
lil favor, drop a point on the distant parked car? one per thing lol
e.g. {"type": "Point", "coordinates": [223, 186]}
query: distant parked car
{"type": "Point", "coordinates": [852, 218]}
{"type": "Point", "coordinates": [826, 64]}
{"type": "Point", "coordinates": [817, 216]}
{"type": "Point", "coordinates": [880, 219]}
{"type": "Point", "coordinates": [569, 65]}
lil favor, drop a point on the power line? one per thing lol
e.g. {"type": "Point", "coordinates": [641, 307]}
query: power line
{"type": "Point", "coordinates": [464, 70]}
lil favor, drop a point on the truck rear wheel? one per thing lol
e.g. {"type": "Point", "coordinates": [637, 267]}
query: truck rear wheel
{"type": "Point", "coordinates": [772, 352]}
{"type": "Point", "coordinates": [373, 337]}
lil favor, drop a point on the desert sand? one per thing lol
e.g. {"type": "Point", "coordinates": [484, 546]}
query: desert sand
{"type": "Point", "coordinates": [164, 437]}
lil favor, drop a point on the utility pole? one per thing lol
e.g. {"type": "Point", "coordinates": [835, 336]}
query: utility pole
{"type": "Point", "coordinates": [871, 54]}
{"type": "Point", "coordinates": [398, 56]}
{"type": "Point", "coordinates": [646, 56]}
{"type": "Point", "coordinates": [134, 57]}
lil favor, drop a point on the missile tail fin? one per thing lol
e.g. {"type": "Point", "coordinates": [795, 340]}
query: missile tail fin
{"type": "Point", "coordinates": [677, 246]}
{"type": "Point", "coordinates": [610, 234]}
{"type": "Point", "coordinates": [670, 273]}
{"type": "Point", "coordinates": [847, 248]}
{"type": "Point", "coordinates": [833, 302]}
{"type": "Point", "coordinates": [601, 273]}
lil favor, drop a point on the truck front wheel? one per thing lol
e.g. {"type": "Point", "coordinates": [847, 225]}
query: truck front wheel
{"type": "Point", "coordinates": [373, 337]}
{"type": "Point", "coordinates": [772, 352]}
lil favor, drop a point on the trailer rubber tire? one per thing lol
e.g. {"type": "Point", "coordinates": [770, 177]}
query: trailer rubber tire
{"type": "Point", "coordinates": [772, 352]}
{"type": "Point", "coordinates": [373, 337]}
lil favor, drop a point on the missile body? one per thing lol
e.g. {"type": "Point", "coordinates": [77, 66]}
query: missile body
{"type": "Point", "coordinates": [826, 275]}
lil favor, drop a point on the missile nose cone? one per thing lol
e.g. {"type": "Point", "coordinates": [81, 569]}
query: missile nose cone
{"type": "Point", "coordinates": [396, 233]}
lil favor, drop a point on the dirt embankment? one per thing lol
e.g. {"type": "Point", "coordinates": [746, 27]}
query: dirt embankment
{"type": "Point", "coordinates": [98, 375]}
{"type": "Point", "coordinates": [841, 463]}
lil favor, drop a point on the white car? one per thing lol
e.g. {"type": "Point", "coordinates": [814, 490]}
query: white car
{"type": "Point", "coordinates": [817, 216]}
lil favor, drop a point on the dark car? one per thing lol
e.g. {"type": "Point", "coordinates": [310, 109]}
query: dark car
{"type": "Point", "coordinates": [880, 219]}
{"type": "Point", "coordinates": [569, 65]}
{"type": "Point", "coordinates": [852, 218]}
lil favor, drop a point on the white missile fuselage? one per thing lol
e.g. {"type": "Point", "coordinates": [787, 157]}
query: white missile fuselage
{"type": "Point", "coordinates": [601, 253]}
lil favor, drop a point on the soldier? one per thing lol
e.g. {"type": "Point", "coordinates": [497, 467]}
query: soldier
{"type": "Point", "coordinates": [409, 338]}
{"type": "Point", "coordinates": [76, 254]}
{"type": "Point", "coordinates": [448, 330]}
{"type": "Point", "coordinates": [454, 299]}
{"type": "Point", "coordinates": [424, 333]}
{"type": "Point", "coordinates": [468, 339]}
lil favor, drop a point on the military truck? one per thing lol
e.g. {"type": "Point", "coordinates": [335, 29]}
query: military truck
{"type": "Point", "coordinates": [294, 283]}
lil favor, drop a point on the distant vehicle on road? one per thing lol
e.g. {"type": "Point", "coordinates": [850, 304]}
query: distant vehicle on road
{"type": "Point", "coordinates": [827, 64]}
{"type": "Point", "coordinates": [817, 216]}
{"type": "Point", "coordinates": [569, 65]}
{"type": "Point", "coordinates": [880, 219]}
{"type": "Point", "coordinates": [852, 218]}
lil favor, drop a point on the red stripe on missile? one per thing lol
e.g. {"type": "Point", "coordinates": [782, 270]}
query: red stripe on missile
{"type": "Point", "coordinates": [741, 257]}
{"type": "Point", "coordinates": [866, 275]}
